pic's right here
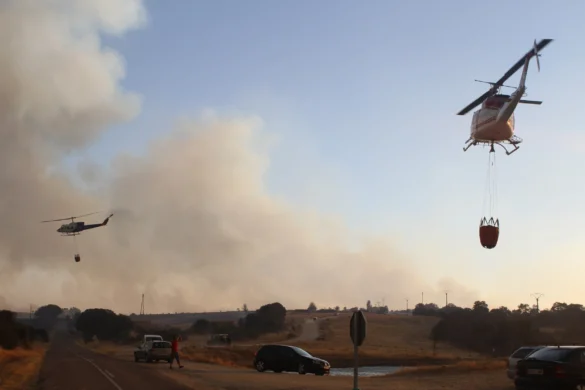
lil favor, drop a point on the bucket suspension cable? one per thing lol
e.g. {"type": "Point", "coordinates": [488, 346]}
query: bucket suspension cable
{"type": "Point", "coordinates": [490, 201]}
{"type": "Point", "coordinates": [489, 227]}
{"type": "Point", "coordinates": [494, 186]}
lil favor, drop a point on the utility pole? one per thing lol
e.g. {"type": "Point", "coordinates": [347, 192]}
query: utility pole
{"type": "Point", "coordinates": [407, 305]}
{"type": "Point", "coordinates": [537, 296]}
{"type": "Point", "coordinates": [446, 297]}
{"type": "Point", "coordinates": [142, 306]}
{"type": "Point", "coordinates": [422, 298]}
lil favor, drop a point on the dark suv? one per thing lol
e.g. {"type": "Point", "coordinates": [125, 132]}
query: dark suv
{"type": "Point", "coordinates": [557, 368]}
{"type": "Point", "coordinates": [279, 358]}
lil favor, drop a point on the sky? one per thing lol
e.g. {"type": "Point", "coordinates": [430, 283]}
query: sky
{"type": "Point", "coordinates": [284, 151]}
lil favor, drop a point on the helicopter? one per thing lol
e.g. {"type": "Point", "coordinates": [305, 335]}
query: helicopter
{"type": "Point", "coordinates": [75, 228]}
{"type": "Point", "coordinates": [493, 123]}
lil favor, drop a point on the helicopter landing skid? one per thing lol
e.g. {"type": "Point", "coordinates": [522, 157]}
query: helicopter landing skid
{"type": "Point", "coordinates": [513, 141]}
{"type": "Point", "coordinates": [70, 234]}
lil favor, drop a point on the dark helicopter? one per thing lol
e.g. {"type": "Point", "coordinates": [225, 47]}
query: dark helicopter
{"type": "Point", "coordinates": [75, 228]}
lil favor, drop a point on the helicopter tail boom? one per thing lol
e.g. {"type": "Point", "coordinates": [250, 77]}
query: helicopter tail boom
{"type": "Point", "coordinates": [95, 225]}
{"type": "Point", "coordinates": [516, 97]}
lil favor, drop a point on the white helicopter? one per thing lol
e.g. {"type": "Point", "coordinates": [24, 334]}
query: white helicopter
{"type": "Point", "coordinates": [493, 123]}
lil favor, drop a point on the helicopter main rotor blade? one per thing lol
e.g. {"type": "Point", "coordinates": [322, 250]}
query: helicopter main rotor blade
{"type": "Point", "coordinates": [56, 220]}
{"type": "Point", "coordinates": [495, 86]}
{"type": "Point", "coordinates": [66, 219]}
{"type": "Point", "coordinates": [476, 102]}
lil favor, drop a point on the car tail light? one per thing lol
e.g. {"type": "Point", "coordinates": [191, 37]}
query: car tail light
{"type": "Point", "coordinates": [560, 371]}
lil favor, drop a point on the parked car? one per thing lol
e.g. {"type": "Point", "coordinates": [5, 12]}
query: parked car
{"type": "Point", "coordinates": [153, 351]}
{"type": "Point", "coordinates": [518, 355]}
{"type": "Point", "coordinates": [219, 339]}
{"type": "Point", "coordinates": [558, 368]}
{"type": "Point", "coordinates": [279, 358]}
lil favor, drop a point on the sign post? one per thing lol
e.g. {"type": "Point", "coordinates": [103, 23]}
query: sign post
{"type": "Point", "coordinates": [357, 332]}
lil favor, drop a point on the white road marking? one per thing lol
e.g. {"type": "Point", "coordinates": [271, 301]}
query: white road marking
{"type": "Point", "coordinates": [117, 386]}
{"type": "Point", "coordinates": [109, 373]}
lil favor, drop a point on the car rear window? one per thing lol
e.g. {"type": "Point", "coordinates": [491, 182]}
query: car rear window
{"type": "Point", "coordinates": [551, 354]}
{"type": "Point", "coordinates": [522, 352]}
{"type": "Point", "coordinates": [161, 344]}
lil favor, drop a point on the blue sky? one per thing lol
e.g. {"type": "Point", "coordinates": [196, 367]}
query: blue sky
{"type": "Point", "coordinates": [367, 94]}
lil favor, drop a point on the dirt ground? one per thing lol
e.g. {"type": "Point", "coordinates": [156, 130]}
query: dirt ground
{"type": "Point", "coordinates": [400, 339]}
{"type": "Point", "coordinates": [209, 377]}
{"type": "Point", "coordinates": [462, 376]}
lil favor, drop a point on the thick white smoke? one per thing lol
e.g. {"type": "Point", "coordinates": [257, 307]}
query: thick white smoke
{"type": "Point", "coordinates": [194, 226]}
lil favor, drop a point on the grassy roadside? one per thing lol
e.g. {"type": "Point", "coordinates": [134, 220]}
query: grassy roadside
{"type": "Point", "coordinates": [19, 368]}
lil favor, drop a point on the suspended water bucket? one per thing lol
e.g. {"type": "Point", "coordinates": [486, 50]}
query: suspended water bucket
{"type": "Point", "coordinates": [489, 232]}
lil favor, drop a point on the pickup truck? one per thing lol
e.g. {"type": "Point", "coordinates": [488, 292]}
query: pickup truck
{"type": "Point", "coordinates": [153, 348]}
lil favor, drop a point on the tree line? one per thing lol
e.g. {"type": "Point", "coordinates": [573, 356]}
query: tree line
{"type": "Point", "coordinates": [499, 331]}
{"type": "Point", "coordinates": [105, 324]}
{"type": "Point", "coordinates": [269, 318]}
{"type": "Point", "coordinates": [18, 333]}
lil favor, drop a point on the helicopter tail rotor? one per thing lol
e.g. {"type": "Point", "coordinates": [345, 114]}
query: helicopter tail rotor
{"type": "Point", "coordinates": [536, 55]}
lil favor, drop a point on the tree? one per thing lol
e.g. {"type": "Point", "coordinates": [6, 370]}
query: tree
{"type": "Point", "coordinates": [501, 311]}
{"type": "Point", "coordinates": [368, 306]}
{"type": "Point", "coordinates": [523, 308]}
{"type": "Point", "coordinates": [558, 306]}
{"type": "Point", "coordinates": [426, 309]}
{"type": "Point", "coordinates": [105, 324]}
{"type": "Point", "coordinates": [245, 308]}
{"type": "Point", "coordinates": [481, 307]}
{"type": "Point", "coordinates": [312, 307]}
{"type": "Point", "coordinates": [201, 326]}
{"type": "Point", "coordinates": [267, 319]}
{"type": "Point", "coordinates": [47, 315]}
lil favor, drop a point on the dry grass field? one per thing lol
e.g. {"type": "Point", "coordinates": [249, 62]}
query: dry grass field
{"type": "Point", "coordinates": [390, 340]}
{"type": "Point", "coordinates": [19, 368]}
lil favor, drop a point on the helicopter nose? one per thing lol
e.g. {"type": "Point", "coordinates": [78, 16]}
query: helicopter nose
{"type": "Point", "coordinates": [59, 230]}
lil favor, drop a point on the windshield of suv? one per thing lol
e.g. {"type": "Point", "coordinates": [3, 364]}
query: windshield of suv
{"type": "Point", "coordinates": [551, 354]}
{"type": "Point", "coordinates": [302, 352]}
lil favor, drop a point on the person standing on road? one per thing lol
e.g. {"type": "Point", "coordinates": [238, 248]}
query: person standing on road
{"type": "Point", "coordinates": [175, 351]}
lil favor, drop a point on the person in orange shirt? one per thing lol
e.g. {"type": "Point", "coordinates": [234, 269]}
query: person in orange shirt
{"type": "Point", "coordinates": [175, 351]}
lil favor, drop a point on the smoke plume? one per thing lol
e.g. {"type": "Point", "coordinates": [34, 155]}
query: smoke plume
{"type": "Point", "coordinates": [194, 226]}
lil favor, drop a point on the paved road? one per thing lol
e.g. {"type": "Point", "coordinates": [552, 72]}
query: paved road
{"type": "Point", "coordinates": [68, 366]}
